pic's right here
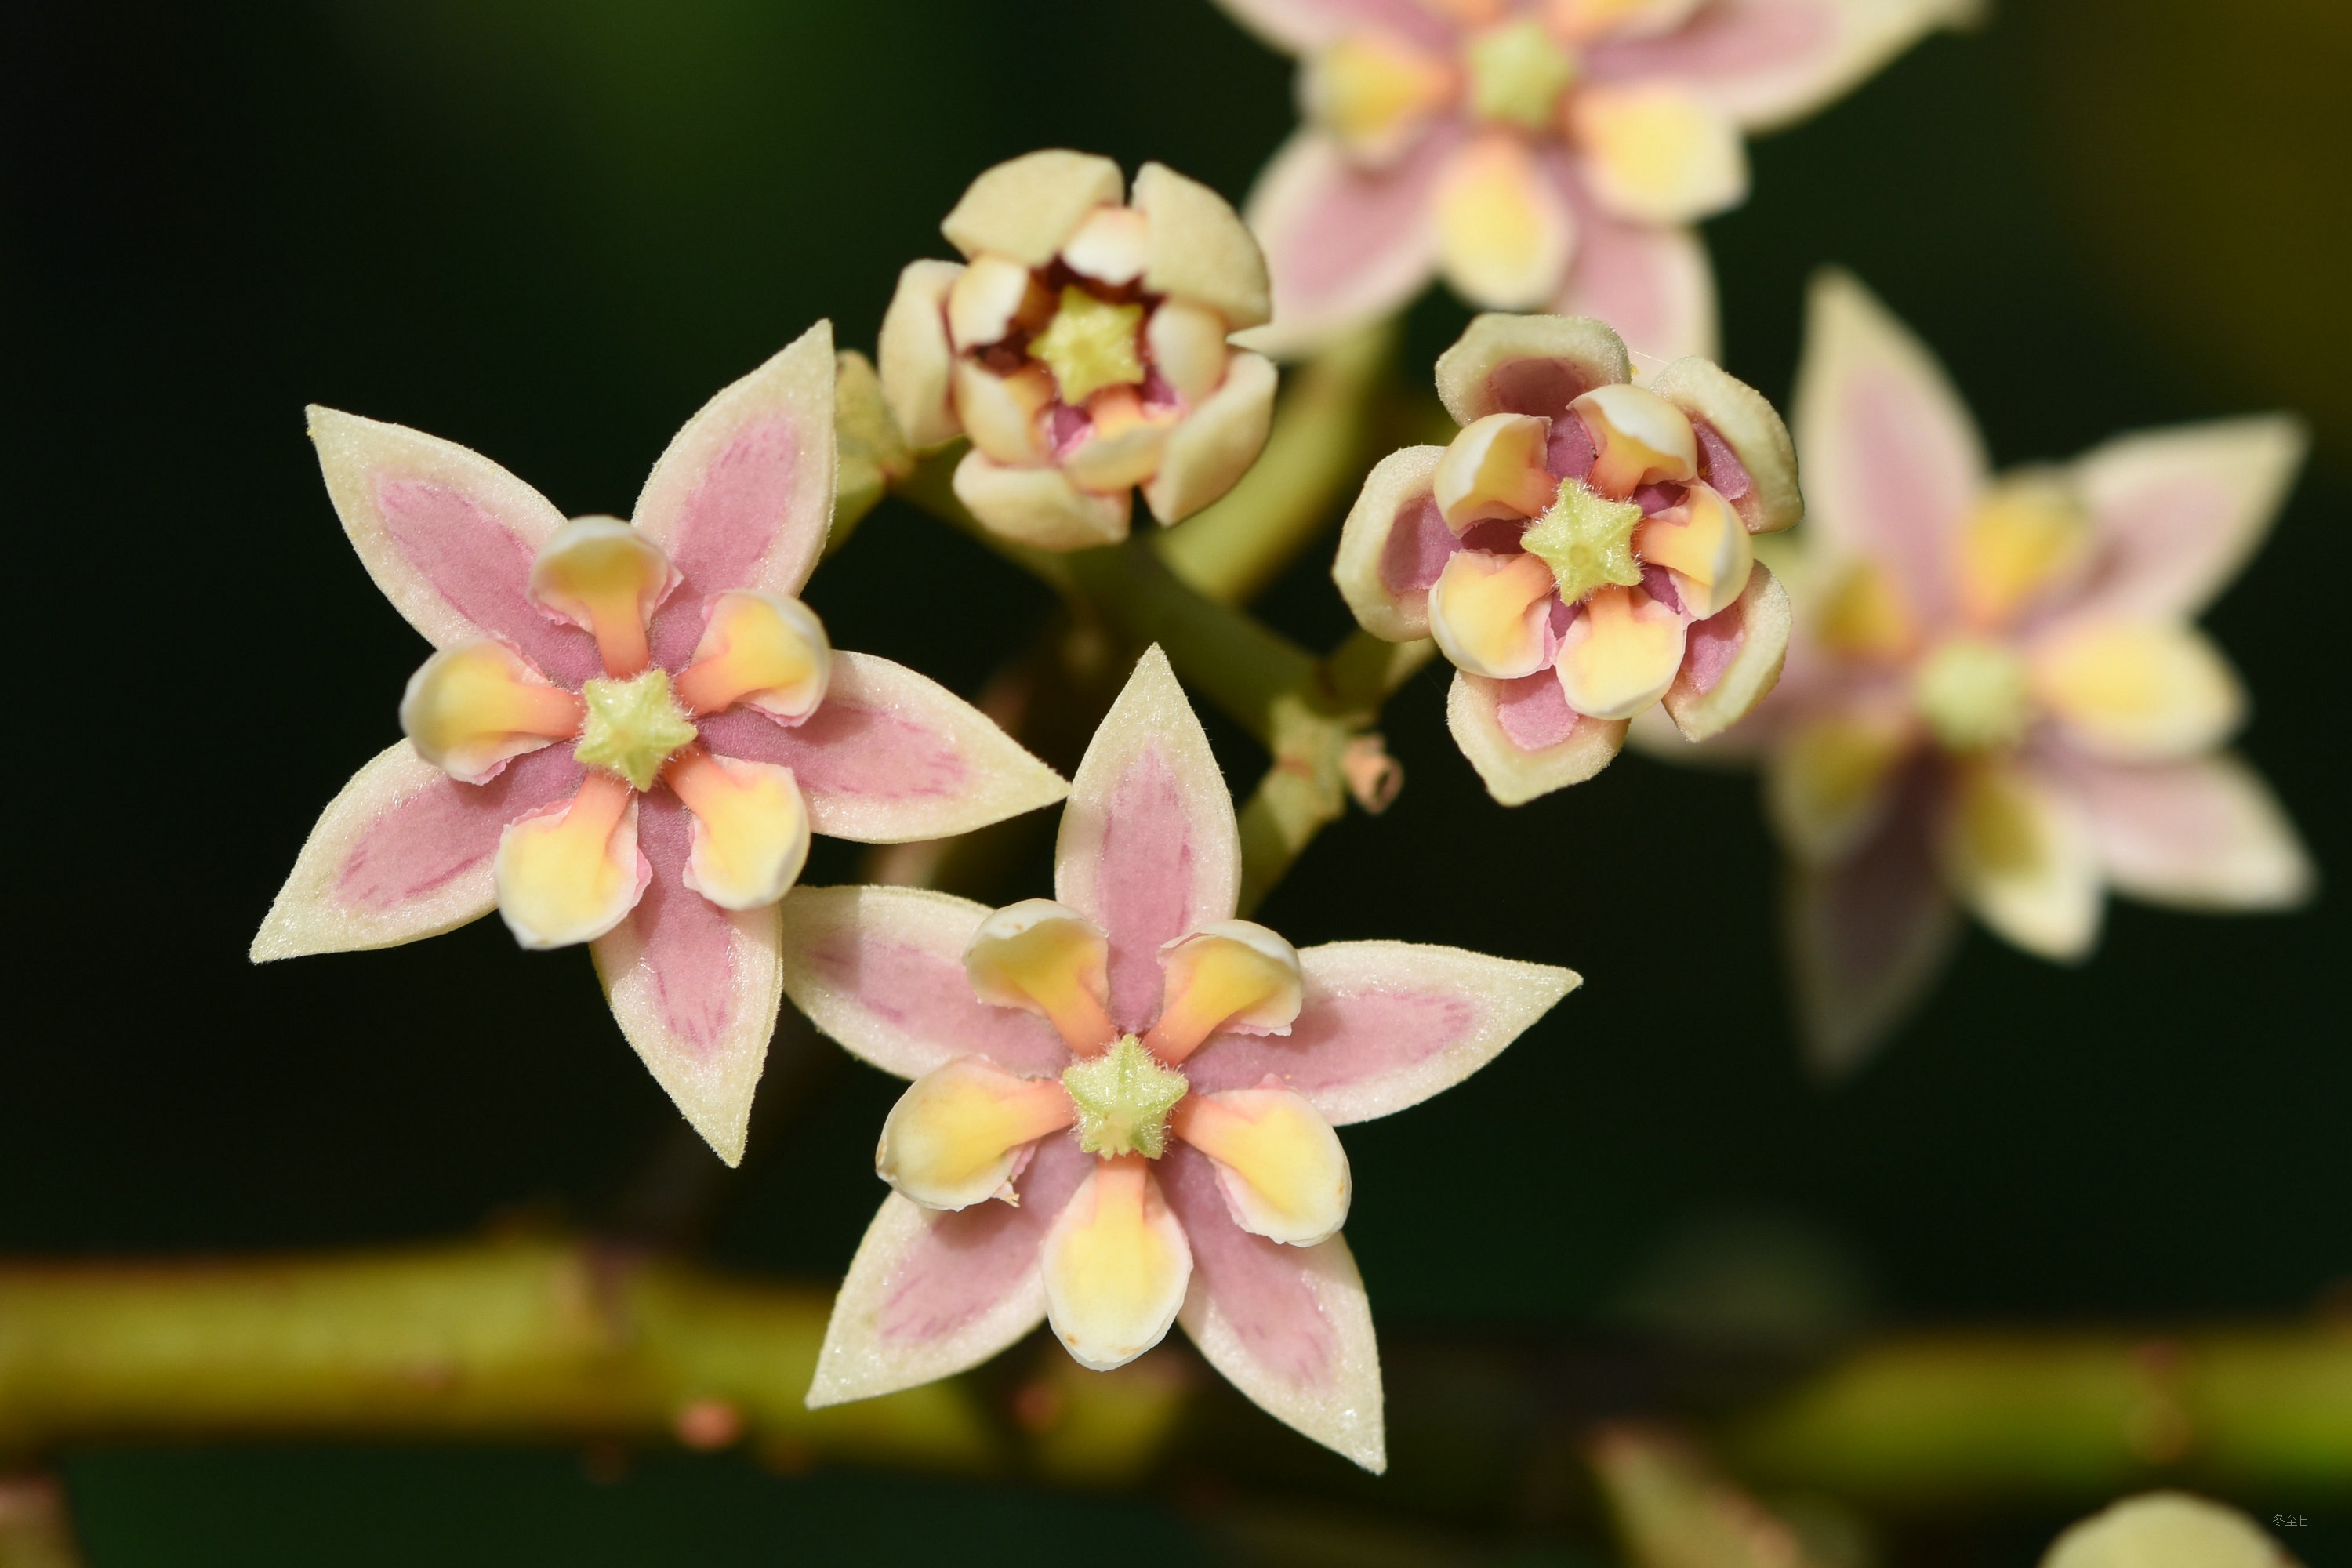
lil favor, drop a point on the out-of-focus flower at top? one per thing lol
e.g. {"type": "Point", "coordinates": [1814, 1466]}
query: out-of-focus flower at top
{"type": "Point", "coordinates": [1081, 346]}
{"type": "Point", "coordinates": [1995, 693]}
{"type": "Point", "coordinates": [2166, 1530]}
{"type": "Point", "coordinates": [1123, 1097]}
{"type": "Point", "coordinates": [1538, 154]}
{"type": "Point", "coordinates": [1581, 551]}
{"type": "Point", "coordinates": [629, 730]}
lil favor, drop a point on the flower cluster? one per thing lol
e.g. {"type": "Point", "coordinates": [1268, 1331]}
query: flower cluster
{"type": "Point", "coordinates": [1580, 550]}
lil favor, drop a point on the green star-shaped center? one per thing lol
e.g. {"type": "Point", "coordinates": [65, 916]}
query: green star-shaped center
{"type": "Point", "coordinates": [1974, 695]}
{"type": "Point", "coordinates": [1516, 74]}
{"type": "Point", "coordinates": [634, 726]}
{"type": "Point", "coordinates": [1587, 540]}
{"type": "Point", "coordinates": [1123, 1097]}
{"type": "Point", "coordinates": [1090, 344]}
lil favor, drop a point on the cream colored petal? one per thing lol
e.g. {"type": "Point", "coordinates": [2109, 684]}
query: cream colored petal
{"type": "Point", "coordinates": [1039, 507]}
{"type": "Point", "coordinates": [2139, 690]}
{"type": "Point", "coordinates": [1001, 413]}
{"type": "Point", "coordinates": [571, 872]}
{"type": "Point", "coordinates": [1188, 348]}
{"type": "Point", "coordinates": [917, 359]}
{"type": "Point", "coordinates": [1732, 662]}
{"type": "Point", "coordinates": [1621, 654]}
{"type": "Point", "coordinates": [2166, 1530]}
{"type": "Point", "coordinates": [1214, 445]}
{"type": "Point", "coordinates": [1504, 231]}
{"type": "Point", "coordinates": [1527, 364]}
{"type": "Point", "coordinates": [1123, 448]}
{"type": "Point", "coordinates": [1704, 546]}
{"type": "Point", "coordinates": [1283, 1170]}
{"type": "Point", "coordinates": [1398, 486]}
{"type": "Point", "coordinates": [1495, 469]}
{"type": "Point", "coordinates": [2019, 853]}
{"type": "Point", "coordinates": [1657, 155]}
{"type": "Point", "coordinates": [958, 1132]}
{"type": "Point", "coordinates": [1116, 1266]}
{"type": "Point", "coordinates": [990, 296]}
{"type": "Point", "coordinates": [1026, 207]}
{"type": "Point", "coordinates": [1491, 613]}
{"type": "Point", "coordinates": [1200, 249]}
{"type": "Point", "coordinates": [1720, 404]}
{"type": "Point", "coordinates": [1514, 774]}
{"type": "Point", "coordinates": [1638, 439]}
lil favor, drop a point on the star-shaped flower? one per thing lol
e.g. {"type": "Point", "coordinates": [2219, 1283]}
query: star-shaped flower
{"type": "Point", "coordinates": [630, 729]}
{"type": "Point", "coordinates": [1581, 551]}
{"type": "Point", "coordinates": [1123, 1097]}
{"type": "Point", "coordinates": [1538, 154]}
{"type": "Point", "coordinates": [1996, 695]}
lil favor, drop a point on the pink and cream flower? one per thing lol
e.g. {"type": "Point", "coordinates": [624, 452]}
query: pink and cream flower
{"type": "Point", "coordinates": [1080, 344]}
{"type": "Point", "coordinates": [1581, 551]}
{"type": "Point", "coordinates": [629, 730]}
{"type": "Point", "coordinates": [1123, 1099]}
{"type": "Point", "coordinates": [1538, 154]}
{"type": "Point", "coordinates": [1996, 692]}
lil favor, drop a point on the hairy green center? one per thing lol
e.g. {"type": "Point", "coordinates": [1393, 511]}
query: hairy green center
{"type": "Point", "coordinates": [1123, 1097]}
{"type": "Point", "coordinates": [1974, 695]}
{"type": "Point", "coordinates": [634, 726]}
{"type": "Point", "coordinates": [1090, 344]}
{"type": "Point", "coordinates": [1587, 540]}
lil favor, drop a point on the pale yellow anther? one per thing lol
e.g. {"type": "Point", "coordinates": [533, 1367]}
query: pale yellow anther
{"type": "Point", "coordinates": [1372, 92]}
{"type": "Point", "coordinates": [1588, 540]}
{"type": "Point", "coordinates": [957, 1132]}
{"type": "Point", "coordinates": [2139, 690]}
{"type": "Point", "coordinates": [1123, 445]}
{"type": "Point", "coordinates": [1089, 344]}
{"type": "Point", "coordinates": [760, 649]}
{"type": "Point", "coordinates": [1638, 439]}
{"type": "Point", "coordinates": [571, 874]}
{"type": "Point", "coordinates": [1283, 1173]}
{"type": "Point", "coordinates": [1974, 694]}
{"type": "Point", "coordinates": [1121, 1100]}
{"type": "Point", "coordinates": [750, 834]}
{"type": "Point", "coordinates": [1048, 959]}
{"type": "Point", "coordinates": [1704, 547]}
{"type": "Point", "coordinates": [1112, 246]}
{"type": "Point", "coordinates": [1518, 72]}
{"type": "Point", "coordinates": [1504, 230]}
{"type": "Point", "coordinates": [602, 575]}
{"type": "Point", "coordinates": [471, 708]}
{"type": "Point", "coordinates": [1494, 467]}
{"type": "Point", "coordinates": [1000, 413]}
{"type": "Point", "coordinates": [632, 726]}
{"type": "Point", "coordinates": [1115, 1265]}
{"type": "Point", "coordinates": [1863, 617]}
{"type": "Point", "coordinates": [2021, 540]}
{"type": "Point", "coordinates": [990, 298]}
{"type": "Point", "coordinates": [1231, 974]}
{"type": "Point", "coordinates": [1489, 612]}
{"type": "Point", "coordinates": [1621, 654]}
{"type": "Point", "coordinates": [1188, 348]}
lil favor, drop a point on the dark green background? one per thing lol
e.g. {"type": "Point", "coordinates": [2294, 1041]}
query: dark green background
{"type": "Point", "coordinates": [549, 229]}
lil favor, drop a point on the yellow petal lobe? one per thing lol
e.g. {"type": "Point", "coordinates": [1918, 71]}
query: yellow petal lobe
{"type": "Point", "coordinates": [760, 649]}
{"type": "Point", "coordinates": [1704, 546]}
{"type": "Point", "coordinates": [1494, 467]}
{"type": "Point", "coordinates": [2139, 690]}
{"type": "Point", "coordinates": [1283, 1173]}
{"type": "Point", "coordinates": [602, 574]}
{"type": "Point", "coordinates": [751, 834]}
{"type": "Point", "coordinates": [1504, 233]}
{"type": "Point", "coordinates": [1048, 959]}
{"type": "Point", "coordinates": [1621, 654]}
{"type": "Point", "coordinates": [471, 708]}
{"type": "Point", "coordinates": [1115, 1265]}
{"type": "Point", "coordinates": [957, 1132]}
{"type": "Point", "coordinates": [570, 874]}
{"type": "Point", "coordinates": [1488, 613]}
{"type": "Point", "coordinates": [1638, 439]}
{"type": "Point", "coordinates": [2021, 538]}
{"type": "Point", "coordinates": [1231, 974]}
{"type": "Point", "coordinates": [1863, 617]}
{"type": "Point", "coordinates": [1822, 786]}
{"type": "Point", "coordinates": [1657, 153]}
{"type": "Point", "coordinates": [1372, 92]}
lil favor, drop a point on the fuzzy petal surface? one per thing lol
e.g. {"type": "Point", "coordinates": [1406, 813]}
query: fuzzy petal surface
{"type": "Point", "coordinates": [1732, 661]}
{"type": "Point", "coordinates": [1535, 365]}
{"type": "Point", "coordinates": [891, 755]}
{"type": "Point", "coordinates": [2176, 514]}
{"type": "Point", "coordinates": [404, 852]}
{"type": "Point", "coordinates": [1393, 545]}
{"type": "Point", "coordinates": [929, 1294]}
{"type": "Point", "coordinates": [1199, 249]}
{"type": "Point", "coordinates": [881, 970]}
{"type": "Point", "coordinates": [1386, 1024]}
{"type": "Point", "coordinates": [1026, 208]}
{"type": "Point", "coordinates": [1148, 850]}
{"type": "Point", "coordinates": [2206, 834]}
{"type": "Point", "coordinates": [1039, 506]}
{"type": "Point", "coordinates": [1746, 454]}
{"type": "Point", "coordinates": [1215, 444]}
{"type": "Point", "coordinates": [915, 359]}
{"type": "Point", "coordinates": [1524, 739]}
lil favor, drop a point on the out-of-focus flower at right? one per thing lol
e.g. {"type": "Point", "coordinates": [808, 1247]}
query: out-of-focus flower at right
{"type": "Point", "coordinates": [2166, 1530]}
{"type": "Point", "coordinates": [1539, 155]}
{"type": "Point", "coordinates": [1081, 346]}
{"type": "Point", "coordinates": [1996, 695]}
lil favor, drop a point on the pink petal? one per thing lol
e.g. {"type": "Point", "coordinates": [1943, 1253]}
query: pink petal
{"type": "Point", "coordinates": [1769, 62]}
{"type": "Point", "coordinates": [448, 535]}
{"type": "Point", "coordinates": [1289, 1326]}
{"type": "Point", "coordinates": [1869, 936]}
{"type": "Point", "coordinates": [693, 987]}
{"type": "Point", "coordinates": [404, 852]}
{"type": "Point", "coordinates": [1343, 244]}
{"type": "Point", "coordinates": [1148, 850]}
{"type": "Point", "coordinates": [2178, 513]}
{"type": "Point", "coordinates": [1653, 283]}
{"type": "Point", "coordinates": [1386, 1024]}
{"type": "Point", "coordinates": [881, 971]}
{"type": "Point", "coordinates": [1891, 460]}
{"type": "Point", "coordinates": [1393, 545]}
{"type": "Point", "coordinates": [743, 495]}
{"type": "Point", "coordinates": [1488, 719]}
{"type": "Point", "coordinates": [1297, 25]}
{"type": "Point", "coordinates": [2205, 835]}
{"type": "Point", "coordinates": [932, 1293]}
{"type": "Point", "coordinates": [892, 756]}
{"type": "Point", "coordinates": [1732, 659]}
